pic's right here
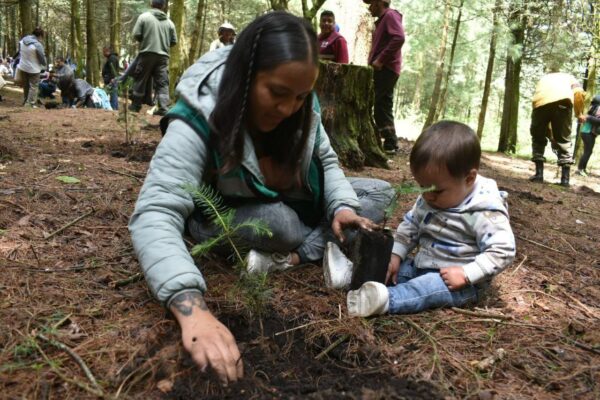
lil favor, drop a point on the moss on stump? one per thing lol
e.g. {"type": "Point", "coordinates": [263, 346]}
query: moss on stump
{"type": "Point", "coordinates": [346, 96]}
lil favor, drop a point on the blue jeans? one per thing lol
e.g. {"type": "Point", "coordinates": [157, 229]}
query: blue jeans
{"type": "Point", "coordinates": [421, 289]}
{"type": "Point", "coordinates": [114, 98]}
{"type": "Point", "coordinates": [289, 232]}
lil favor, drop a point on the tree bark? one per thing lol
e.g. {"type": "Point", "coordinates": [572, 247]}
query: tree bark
{"type": "Point", "coordinates": [435, 96]}
{"type": "Point", "coordinates": [25, 7]}
{"type": "Point", "coordinates": [346, 111]}
{"type": "Point", "coordinates": [197, 33]}
{"type": "Point", "coordinates": [310, 13]}
{"type": "Point", "coordinates": [279, 5]}
{"type": "Point", "coordinates": [77, 46]}
{"type": "Point", "coordinates": [510, 115]}
{"type": "Point", "coordinates": [178, 57]}
{"type": "Point", "coordinates": [14, 40]}
{"type": "Point", "coordinates": [489, 71]}
{"type": "Point", "coordinates": [416, 103]}
{"type": "Point", "coordinates": [442, 108]}
{"type": "Point", "coordinates": [92, 60]}
{"type": "Point", "coordinates": [115, 26]}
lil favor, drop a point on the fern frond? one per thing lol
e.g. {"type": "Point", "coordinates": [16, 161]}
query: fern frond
{"type": "Point", "coordinates": [258, 227]}
{"type": "Point", "coordinates": [203, 248]}
{"type": "Point", "coordinates": [210, 202]}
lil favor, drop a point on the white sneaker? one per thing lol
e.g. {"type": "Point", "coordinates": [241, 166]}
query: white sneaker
{"type": "Point", "coordinates": [337, 268]}
{"type": "Point", "coordinates": [259, 262]}
{"type": "Point", "coordinates": [372, 298]}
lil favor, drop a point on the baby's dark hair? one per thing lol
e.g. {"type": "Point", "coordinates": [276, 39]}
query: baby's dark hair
{"type": "Point", "coordinates": [451, 144]}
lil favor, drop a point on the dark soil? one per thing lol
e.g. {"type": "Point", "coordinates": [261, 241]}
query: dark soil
{"type": "Point", "coordinates": [68, 274]}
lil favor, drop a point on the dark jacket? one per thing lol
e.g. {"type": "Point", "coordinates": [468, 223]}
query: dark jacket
{"type": "Point", "coordinates": [110, 70]}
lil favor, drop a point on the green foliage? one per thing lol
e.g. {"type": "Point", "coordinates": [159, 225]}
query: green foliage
{"type": "Point", "coordinates": [211, 203]}
{"type": "Point", "coordinates": [253, 289]}
{"type": "Point", "coordinates": [68, 179]}
{"type": "Point", "coordinates": [255, 292]}
{"type": "Point", "coordinates": [405, 188]}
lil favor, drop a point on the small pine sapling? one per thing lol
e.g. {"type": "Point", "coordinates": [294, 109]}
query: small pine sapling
{"type": "Point", "coordinates": [253, 288]}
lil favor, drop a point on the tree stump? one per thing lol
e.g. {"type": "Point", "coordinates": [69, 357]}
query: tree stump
{"type": "Point", "coordinates": [346, 95]}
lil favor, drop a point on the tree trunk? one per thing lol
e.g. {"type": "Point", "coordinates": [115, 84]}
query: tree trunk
{"type": "Point", "coordinates": [442, 108]}
{"type": "Point", "coordinates": [25, 7]}
{"type": "Point", "coordinates": [490, 70]}
{"type": "Point", "coordinates": [279, 5]}
{"type": "Point", "coordinates": [195, 49]}
{"type": "Point", "coordinates": [416, 103]}
{"type": "Point", "coordinates": [77, 46]}
{"type": "Point", "coordinates": [310, 13]}
{"type": "Point", "coordinates": [178, 60]}
{"type": "Point", "coordinates": [346, 112]}
{"type": "Point", "coordinates": [115, 26]}
{"type": "Point", "coordinates": [510, 114]}
{"type": "Point", "coordinates": [92, 59]}
{"type": "Point", "coordinates": [13, 39]}
{"type": "Point", "coordinates": [440, 69]}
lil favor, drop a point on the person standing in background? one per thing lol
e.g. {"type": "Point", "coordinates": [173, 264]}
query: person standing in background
{"type": "Point", "coordinates": [386, 59]}
{"type": "Point", "coordinates": [156, 34]}
{"type": "Point", "coordinates": [33, 59]}
{"type": "Point", "coordinates": [556, 94]}
{"type": "Point", "coordinates": [110, 71]}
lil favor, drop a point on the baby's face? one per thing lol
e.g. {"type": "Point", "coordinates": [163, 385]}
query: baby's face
{"type": "Point", "coordinates": [448, 191]}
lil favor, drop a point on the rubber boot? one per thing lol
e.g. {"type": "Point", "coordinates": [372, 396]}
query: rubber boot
{"type": "Point", "coordinates": [539, 172]}
{"type": "Point", "coordinates": [564, 177]}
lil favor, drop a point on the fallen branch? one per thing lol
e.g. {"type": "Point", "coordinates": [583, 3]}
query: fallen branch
{"type": "Point", "coordinates": [519, 266]}
{"type": "Point", "coordinates": [585, 346]}
{"type": "Point", "coordinates": [14, 205]}
{"type": "Point", "coordinates": [541, 245]}
{"type": "Point", "coordinates": [303, 326]}
{"type": "Point", "coordinates": [74, 356]}
{"type": "Point", "coordinates": [121, 173]}
{"type": "Point", "coordinates": [76, 220]}
{"type": "Point", "coordinates": [124, 282]}
{"type": "Point", "coordinates": [96, 390]}
{"type": "Point", "coordinates": [332, 346]}
{"type": "Point", "coordinates": [436, 356]}
{"type": "Point", "coordinates": [481, 314]}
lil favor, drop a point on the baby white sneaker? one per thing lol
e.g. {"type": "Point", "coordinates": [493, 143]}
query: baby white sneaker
{"type": "Point", "coordinates": [261, 262]}
{"type": "Point", "coordinates": [372, 298]}
{"type": "Point", "coordinates": [337, 268]}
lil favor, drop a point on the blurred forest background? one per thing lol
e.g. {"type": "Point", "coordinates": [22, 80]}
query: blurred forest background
{"type": "Point", "coordinates": [474, 61]}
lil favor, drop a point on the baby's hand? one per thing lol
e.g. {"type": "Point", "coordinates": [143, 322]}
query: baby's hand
{"type": "Point", "coordinates": [454, 277]}
{"type": "Point", "coordinates": [393, 268]}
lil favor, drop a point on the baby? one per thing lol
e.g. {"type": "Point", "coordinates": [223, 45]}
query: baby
{"type": "Point", "coordinates": [459, 225]}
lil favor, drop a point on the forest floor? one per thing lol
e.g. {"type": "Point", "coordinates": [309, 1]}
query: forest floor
{"type": "Point", "coordinates": [69, 277]}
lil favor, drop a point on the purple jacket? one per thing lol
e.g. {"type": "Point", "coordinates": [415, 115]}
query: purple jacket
{"type": "Point", "coordinates": [388, 39]}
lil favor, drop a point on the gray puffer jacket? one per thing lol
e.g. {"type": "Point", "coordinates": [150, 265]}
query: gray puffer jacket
{"type": "Point", "coordinates": [163, 206]}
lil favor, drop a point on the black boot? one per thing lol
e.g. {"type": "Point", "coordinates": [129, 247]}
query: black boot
{"type": "Point", "coordinates": [564, 177]}
{"type": "Point", "coordinates": [539, 172]}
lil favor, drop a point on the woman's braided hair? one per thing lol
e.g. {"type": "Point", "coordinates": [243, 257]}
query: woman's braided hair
{"type": "Point", "coordinates": [269, 41]}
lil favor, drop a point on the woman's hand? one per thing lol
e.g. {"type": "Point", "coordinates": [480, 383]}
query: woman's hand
{"type": "Point", "coordinates": [454, 277]}
{"type": "Point", "coordinates": [348, 218]}
{"type": "Point", "coordinates": [393, 268]}
{"type": "Point", "coordinates": [207, 340]}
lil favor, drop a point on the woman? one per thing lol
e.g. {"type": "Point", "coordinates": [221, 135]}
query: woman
{"type": "Point", "coordinates": [247, 123]}
{"type": "Point", "coordinates": [589, 131]}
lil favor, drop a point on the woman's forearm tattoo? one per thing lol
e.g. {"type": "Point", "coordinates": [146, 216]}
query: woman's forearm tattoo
{"type": "Point", "coordinates": [185, 302]}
